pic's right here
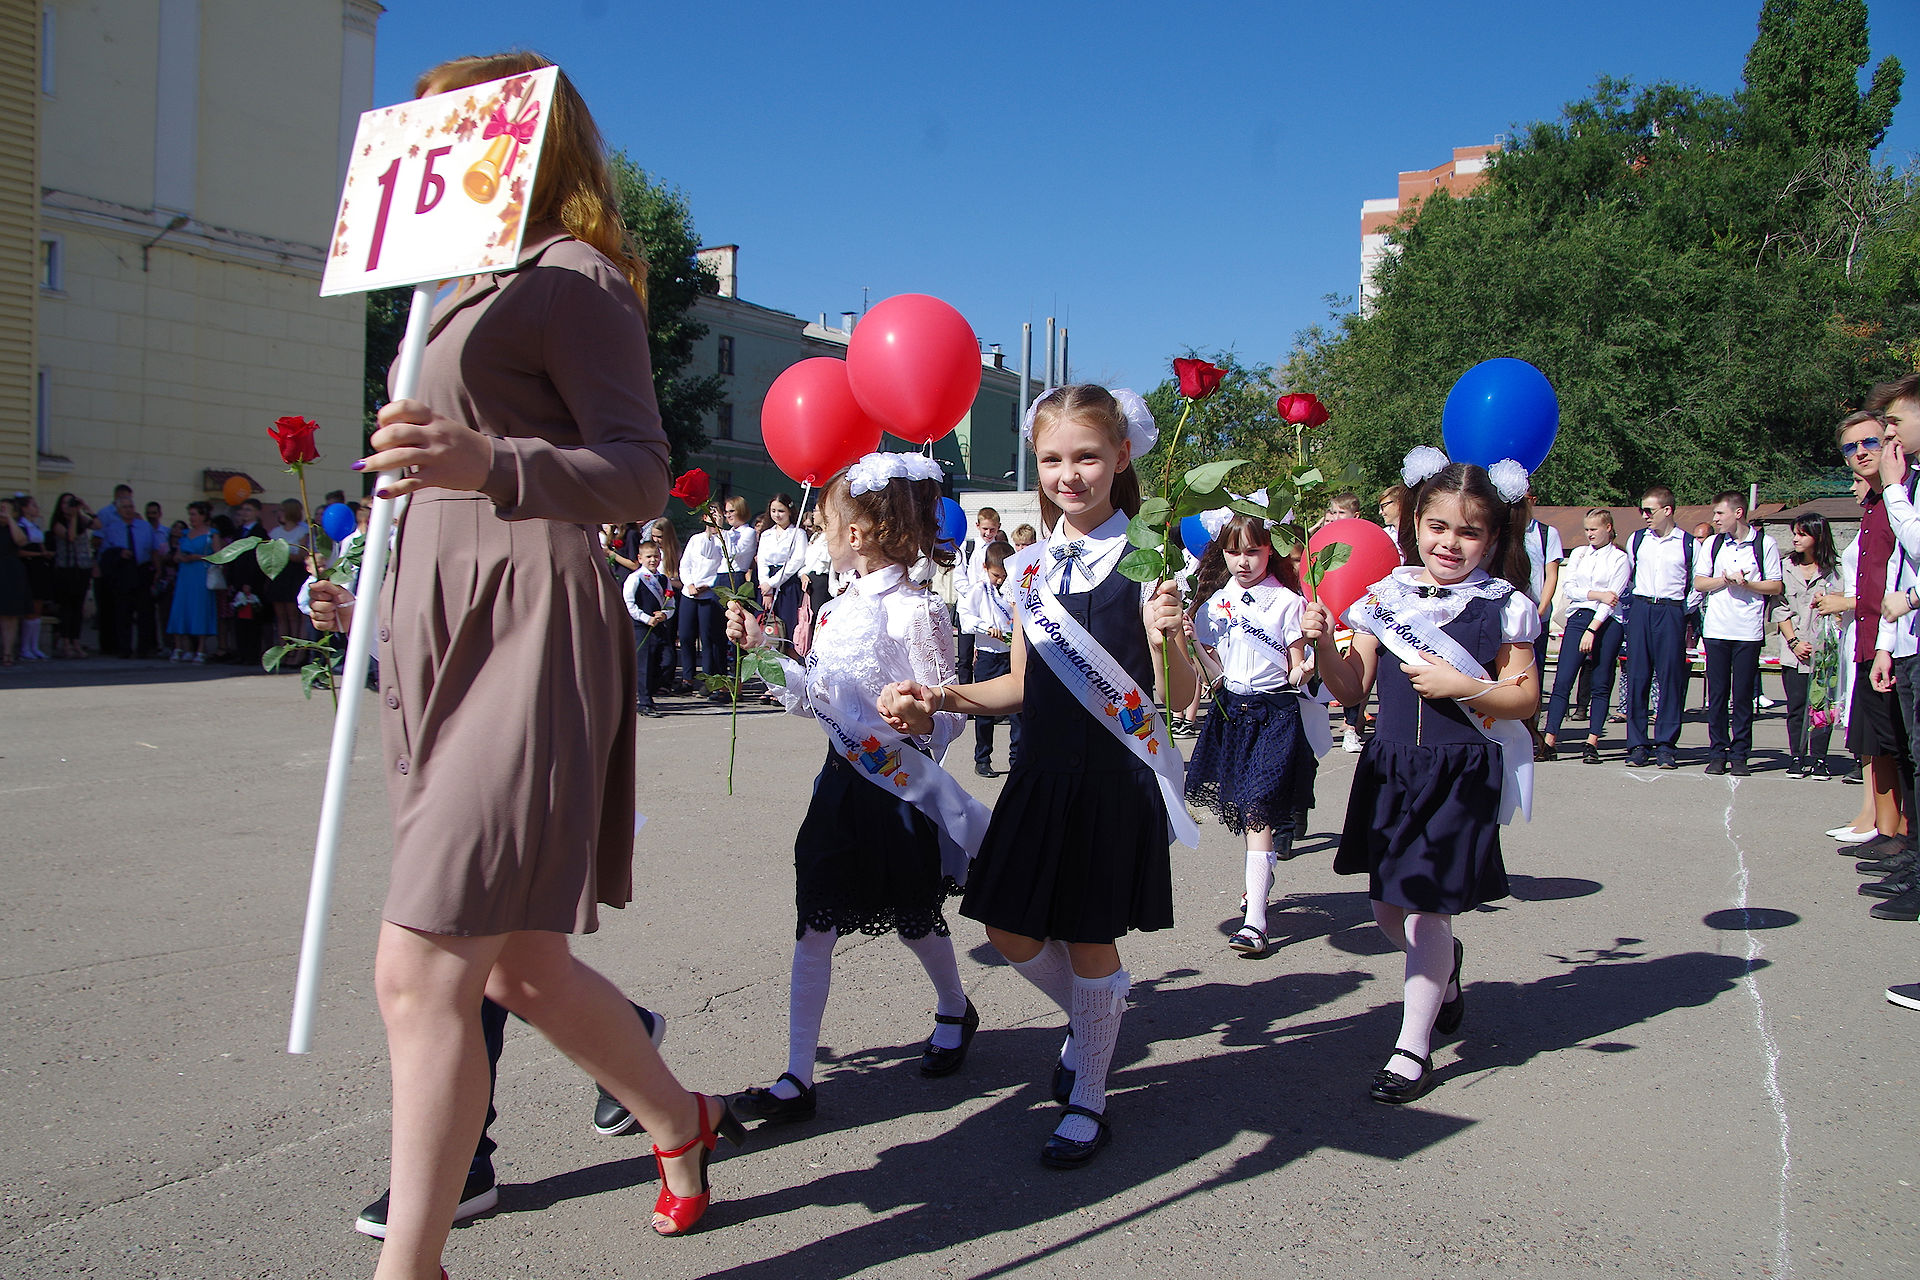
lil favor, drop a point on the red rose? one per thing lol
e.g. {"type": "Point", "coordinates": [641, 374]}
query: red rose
{"type": "Point", "coordinates": [1302, 409]}
{"type": "Point", "coordinates": [692, 489]}
{"type": "Point", "coordinates": [1198, 379]}
{"type": "Point", "coordinates": [295, 438]}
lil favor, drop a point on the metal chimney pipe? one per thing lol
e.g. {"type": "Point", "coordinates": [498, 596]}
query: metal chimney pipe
{"type": "Point", "coordinates": [1026, 391]}
{"type": "Point", "coordinates": [1053, 352]}
{"type": "Point", "coordinates": [1065, 377]}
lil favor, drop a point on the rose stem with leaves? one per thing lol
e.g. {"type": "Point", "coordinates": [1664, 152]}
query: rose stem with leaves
{"type": "Point", "coordinates": [1166, 541]}
{"type": "Point", "coordinates": [325, 656]}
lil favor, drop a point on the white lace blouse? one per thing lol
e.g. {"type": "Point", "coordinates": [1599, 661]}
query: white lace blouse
{"type": "Point", "coordinates": [883, 629]}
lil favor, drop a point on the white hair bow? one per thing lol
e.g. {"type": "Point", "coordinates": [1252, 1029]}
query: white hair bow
{"type": "Point", "coordinates": [873, 472]}
{"type": "Point", "coordinates": [1142, 431]}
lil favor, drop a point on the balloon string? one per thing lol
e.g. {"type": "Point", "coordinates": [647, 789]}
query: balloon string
{"type": "Point", "coordinates": [806, 489]}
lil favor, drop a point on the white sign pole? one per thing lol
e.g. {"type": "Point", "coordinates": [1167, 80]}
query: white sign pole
{"type": "Point", "coordinates": [352, 677]}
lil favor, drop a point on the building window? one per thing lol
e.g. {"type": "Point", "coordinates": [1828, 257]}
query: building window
{"type": "Point", "coordinates": [53, 266]}
{"type": "Point", "coordinates": [726, 354]}
{"type": "Point", "coordinates": [723, 422]}
{"type": "Point", "coordinates": [46, 50]}
{"type": "Point", "coordinates": [43, 410]}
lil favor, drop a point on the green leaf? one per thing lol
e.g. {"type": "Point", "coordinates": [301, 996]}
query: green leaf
{"type": "Point", "coordinates": [1193, 502]}
{"type": "Point", "coordinates": [1210, 476]}
{"type": "Point", "coordinates": [1283, 540]}
{"type": "Point", "coordinates": [1326, 560]}
{"type": "Point", "coordinates": [1308, 478]}
{"type": "Point", "coordinates": [233, 550]}
{"type": "Point", "coordinates": [270, 660]}
{"type": "Point", "coordinates": [271, 556]}
{"type": "Point", "coordinates": [1248, 507]}
{"type": "Point", "coordinates": [1144, 565]}
{"type": "Point", "coordinates": [758, 664]}
{"type": "Point", "coordinates": [315, 675]}
{"type": "Point", "coordinates": [1154, 510]}
{"type": "Point", "coordinates": [1147, 528]}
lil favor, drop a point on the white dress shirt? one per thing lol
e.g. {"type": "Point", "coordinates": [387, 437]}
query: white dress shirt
{"type": "Point", "coordinates": [885, 628]}
{"type": "Point", "coordinates": [701, 560]}
{"type": "Point", "coordinates": [1089, 558]}
{"type": "Point", "coordinates": [1659, 567]}
{"type": "Point", "coordinates": [662, 590]}
{"type": "Point", "coordinates": [1538, 533]}
{"type": "Point", "coordinates": [1247, 666]}
{"type": "Point", "coordinates": [741, 543]}
{"type": "Point", "coordinates": [985, 610]}
{"type": "Point", "coordinates": [1737, 612]}
{"type": "Point", "coordinates": [781, 555]}
{"type": "Point", "coordinates": [1594, 569]}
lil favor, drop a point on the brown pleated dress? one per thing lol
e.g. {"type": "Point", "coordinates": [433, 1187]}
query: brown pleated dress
{"type": "Point", "coordinates": [507, 674]}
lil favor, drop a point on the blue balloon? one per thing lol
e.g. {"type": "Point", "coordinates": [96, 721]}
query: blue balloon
{"type": "Point", "coordinates": [1194, 536]}
{"type": "Point", "coordinates": [953, 521]}
{"type": "Point", "coordinates": [1502, 408]}
{"type": "Point", "coordinates": [339, 521]}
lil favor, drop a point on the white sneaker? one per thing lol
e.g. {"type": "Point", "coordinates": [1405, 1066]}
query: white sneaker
{"type": "Point", "coordinates": [1350, 741]}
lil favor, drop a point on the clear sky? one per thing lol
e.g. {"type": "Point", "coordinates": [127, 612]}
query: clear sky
{"type": "Point", "coordinates": [1159, 176]}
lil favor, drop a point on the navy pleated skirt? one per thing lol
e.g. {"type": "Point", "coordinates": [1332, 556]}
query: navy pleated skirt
{"type": "Point", "coordinates": [1420, 825]}
{"type": "Point", "coordinates": [865, 861]}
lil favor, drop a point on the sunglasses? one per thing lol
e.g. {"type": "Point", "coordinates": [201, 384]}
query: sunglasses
{"type": "Point", "coordinates": [1852, 447]}
{"type": "Point", "coordinates": [1651, 511]}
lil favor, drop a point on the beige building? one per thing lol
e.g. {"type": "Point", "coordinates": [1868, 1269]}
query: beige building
{"type": "Point", "coordinates": [187, 161]}
{"type": "Point", "coordinates": [1459, 176]}
{"type": "Point", "coordinates": [750, 345]}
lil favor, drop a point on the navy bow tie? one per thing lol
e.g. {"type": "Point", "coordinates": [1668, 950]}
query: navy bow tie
{"type": "Point", "coordinates": [1066, 557]}
{"type": "Point", "coordinates": [1072, 551]}
{"type": "Point", "coordinates": [1430, 593]}
{"type": "Point", "coordinates": [1246, 597]}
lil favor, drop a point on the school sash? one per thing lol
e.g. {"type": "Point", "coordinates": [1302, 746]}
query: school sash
{"type": "Point", "coordinates": [1315, 724]}
{"type": "Point", "coordinates": [1411, 637]}
{"type": "Point", "coordinates": [1109, 694]}
{"type": "Point", "coordinates": [896, 766]}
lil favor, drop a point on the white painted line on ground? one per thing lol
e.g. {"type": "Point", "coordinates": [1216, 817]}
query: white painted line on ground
{"type": "Point", "coordinates": [1783, 1255]}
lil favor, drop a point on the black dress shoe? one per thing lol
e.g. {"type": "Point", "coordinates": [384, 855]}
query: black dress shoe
{"type": "Point", "coordinates": [1064, 1078]}
{"type": "Point", "coordinates": [984, 770]}
{"type": "Point", "coordinates": [610, 1115]}
{"type": "Point", "coordinates": [1904, 907]}
{"type": "Point", "coordinates": [1065, 1153]}
{"type": "Point", "coordinates": [1875, 847]}
{"type": "Point", "coordinates": [1885, 866]}
{"type": "Point", "coordinates": [1892, 887]}
{"type": "Point", "coordinates": [1639, 758]}
{"type": "Point", "coordinates": [1447, 1021]}
{"type": "Point", "coordinates": [1716, 767]}
{"type": "Point", "coordinates": [1390, 1087]}
{"type": "Point", "coordinates": [1740, 769]}
{"type": "Point", "coordinates": [935, 1061]}
{"type": "Point", "coordinates": [764, 1104]}
{"type": "Point", "coordinates": [1590, 754]}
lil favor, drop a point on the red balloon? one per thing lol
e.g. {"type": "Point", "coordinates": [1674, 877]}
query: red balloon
{"type": "Point", "coordinates": [811, 424]}
{"type": "Point", "coordinates": [1374, 556]}
{"type": "Point", "coordinates": [914, 364]}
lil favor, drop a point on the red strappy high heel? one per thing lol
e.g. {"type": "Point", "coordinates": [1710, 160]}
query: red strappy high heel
{"type": "Point", "coordinates": [685, 1212]}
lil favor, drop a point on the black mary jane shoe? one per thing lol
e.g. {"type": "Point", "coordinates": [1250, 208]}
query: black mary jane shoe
{"type": "Point", "coordinates": [764, 1104]}
{"type": "Point", "coordinates": [1391, 1087]}
{"type": "Point", "coordinates": [1065, 1153]}
{"type": "Point", "coordinates": [1545, 751]}
{"type": "Point", "coordinates": [1590, 754]}
{"type": "Point", "coordinates": [1448, 1020]}
{"type": "Point", "coordinates": [1064, 1078]}
{"type": "Point", "coordinates": [935, 1061]}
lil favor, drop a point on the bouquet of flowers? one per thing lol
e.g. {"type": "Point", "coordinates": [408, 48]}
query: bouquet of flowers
{"type": "Point", "coordinates": [1823, 688]}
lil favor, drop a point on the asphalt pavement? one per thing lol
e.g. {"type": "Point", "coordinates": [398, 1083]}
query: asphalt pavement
{"type": "Point", "coordinates": [1677, 1058]}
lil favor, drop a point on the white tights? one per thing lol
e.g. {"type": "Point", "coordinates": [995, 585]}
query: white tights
{"type": "Point", "coordinates": [813, 980]}
{"type": "Point", "coordinates": [1427, 940]}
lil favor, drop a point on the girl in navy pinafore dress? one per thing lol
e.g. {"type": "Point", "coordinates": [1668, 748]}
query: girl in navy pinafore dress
{"type": "Point", "coordinates": [1077, 852]}
{"type": "Point", "coordinates": [1423, 817]}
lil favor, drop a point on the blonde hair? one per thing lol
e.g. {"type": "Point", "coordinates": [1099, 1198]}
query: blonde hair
{"type": "Point", "coordinates": [1096, 407]}
{"type": "Point", "coordinates": [738, 506]}
{"type": "Point", "coordinates": [573, 187]}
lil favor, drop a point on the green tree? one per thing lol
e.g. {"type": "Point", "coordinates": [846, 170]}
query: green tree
{"type": "Point", "coordinates": [1802, 76]}
{"type": "Point", "coordinates": [1707, 295]}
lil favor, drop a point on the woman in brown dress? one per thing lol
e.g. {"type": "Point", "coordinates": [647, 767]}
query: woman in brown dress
{"type": "Point", "coordinates": [507, 681]}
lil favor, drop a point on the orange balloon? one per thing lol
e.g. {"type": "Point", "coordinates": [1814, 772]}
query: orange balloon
{"type": "Point", "coordinates": [236, 490]}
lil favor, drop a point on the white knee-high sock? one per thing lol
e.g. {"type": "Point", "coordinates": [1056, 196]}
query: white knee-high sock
{"type": "Point", "coordinates": [1259, 885]}
{"type": "Point", "coordinates": [1052, 972]}
{"type": "Point", "coordinates": [806, 1004]}
{"type": "Point", "coordinates": [1429, 963]}
{"type": "Point", "coordinates": [1098, 1004]}
{"type": "Point", "coordinates": [935, 954]}
{"type": "Point", "coordinates": [30, 638]}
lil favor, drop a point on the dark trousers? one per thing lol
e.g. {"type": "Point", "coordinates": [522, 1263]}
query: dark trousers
{"type": "Point", "coordinates": [1585, 679]}
{"type": "Point", "coordinates": [1568, 667]}
{"type": "Point", "coordinates": [1804, 740]}
{"type": "Point", "coordinates": [123, 600]}
{"type": "Point", "coordinates": [493, 1028]}
{"type": "Point", "coordinates": [1733, 668]}
{"type": "Point", "coordinates": [965, 661]}
{"type": "Point", "coordinates": [645, 646]}
{"type": "Point", "coordinates": [985, 667]}
{"type": "Point", "coordinates": [1656, 650]}
{"type": "Point", "coordinates": [1906, 686]}
{"type": "Point", "coordinates": [70, 596]}
{"type": "Point", "coordinates": [713, 637]}
{"type": "Point", "coordinates": [687, 619]}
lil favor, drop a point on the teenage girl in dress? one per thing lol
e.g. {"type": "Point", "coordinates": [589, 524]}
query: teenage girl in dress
{"type": "Point", "coordinates": [1423, 817]}
{"type": "Point", "coordinates": [1077, 853]}
{"type": "Point", "coordinates": [865, 860]}
{"type": "Point", "coordinates": [1243, 766]}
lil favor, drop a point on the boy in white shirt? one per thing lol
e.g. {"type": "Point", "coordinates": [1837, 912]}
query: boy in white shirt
{"type": "Point", "coordinates": [967, 573]}
{"type": "Point", "coordinates": [987, 617]}
{"type": "Point", "coordinates": [650, 604]}
{"type": "Point", "coordinates": [1739, 571]}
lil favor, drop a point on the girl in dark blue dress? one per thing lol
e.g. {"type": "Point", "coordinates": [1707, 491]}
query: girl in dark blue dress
{"type": "Point", "coordinates": [1434, 784]}
{"type": "Point", "coordinates": [1077, 852]}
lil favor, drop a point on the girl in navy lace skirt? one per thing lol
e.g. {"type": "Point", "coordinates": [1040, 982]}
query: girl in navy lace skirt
{"type": "Point", "coordinates": [1247, 620]}
{"type": "Point", "coordinates": [866, 860]}
{"type": "Point", "coordinates": [1433, 785]}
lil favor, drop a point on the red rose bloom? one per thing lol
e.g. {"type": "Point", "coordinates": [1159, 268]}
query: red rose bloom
{"type": "Point", "coordinates": [295, 438]}
{"type": "Point", "coordinates": [692, 489]}
{"type": "Point", "coordinates": [1198, 379]}
{"type": "Point", "coordinates": [1302, 409]}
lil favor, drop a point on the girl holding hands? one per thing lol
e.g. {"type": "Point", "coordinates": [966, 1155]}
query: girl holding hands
{"type": "Point", "coordinates": [1077, 852]}
{"type": "Point", "coordinates": [1451, 759]}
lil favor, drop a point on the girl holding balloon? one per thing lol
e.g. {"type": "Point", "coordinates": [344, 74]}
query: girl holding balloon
{"type": "Point", "coordinates": [1451, 759]}
{"type": "Point", "coordinates": [780, 557]}
{"type": "Point", "coordinates": [1247, 620]}
{"type": "Point", "coordinates": [1077, 853]}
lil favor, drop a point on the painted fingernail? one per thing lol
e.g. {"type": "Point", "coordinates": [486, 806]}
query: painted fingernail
{"type": "Point", "coordinates": [383, 493]}
{"type": "Point", "coordinates": [359, 466]}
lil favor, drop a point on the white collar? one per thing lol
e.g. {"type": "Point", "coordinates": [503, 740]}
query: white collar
{"type": "Point", "coordinates": [1112, 528]}
{"type": "Point", "coordinates": [879, 581]}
